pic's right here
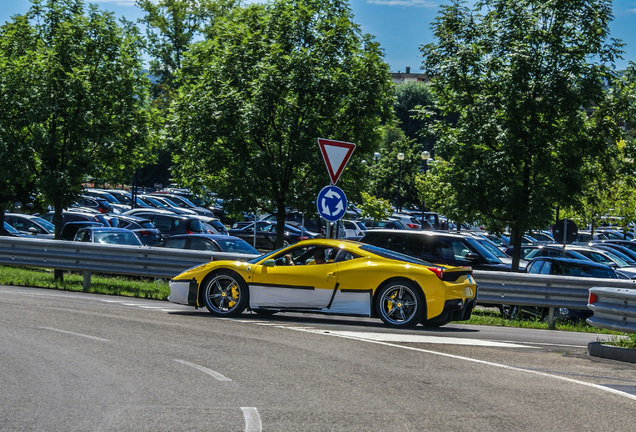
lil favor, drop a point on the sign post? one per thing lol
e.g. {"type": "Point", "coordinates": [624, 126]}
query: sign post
{"type": "Point", "coordinates": [332, 202]}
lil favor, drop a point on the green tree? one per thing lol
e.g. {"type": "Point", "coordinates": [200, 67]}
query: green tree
{"type": "Point", "coordinates": [76, 80]}
{"type": "Point", "coordinates": [409, 96]}
{"type": "Point", "coordinates": [171, 28]}
{"type": "Point", "coordinates": [268, 82]}
{"type": "Point", "coordinates": [17, 159]}
{"type": "Point", "coordinates": [517, 74]}
{"type": "Point", "coordinates": [394, 179]}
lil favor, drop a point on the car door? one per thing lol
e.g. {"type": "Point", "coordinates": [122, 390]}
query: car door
{"type": "Point", "coordinates": [300, 286]}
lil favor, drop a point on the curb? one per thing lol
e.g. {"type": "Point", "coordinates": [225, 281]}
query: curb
{"type": "Point", "coordinates": [598, 349]}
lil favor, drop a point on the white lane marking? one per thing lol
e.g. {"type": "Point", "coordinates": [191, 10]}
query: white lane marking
{"type": "Point", "coordinates": [252, 419]}
{"type": "Point", "coordinates": [484, 362]}
{"type": "Point", "coordinates": [75, 334]}
{"type": "Point", "coordinates": [413, 338]}
{"type": "Point", "coordinates": [210, 372]}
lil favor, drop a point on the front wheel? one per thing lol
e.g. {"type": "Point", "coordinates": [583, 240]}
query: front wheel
{"type": "Point", "coordinates": [225, 294]}
{"type": "Point", "coordinates": [400, 304]}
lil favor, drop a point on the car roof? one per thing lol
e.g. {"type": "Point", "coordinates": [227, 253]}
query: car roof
{"type": "Point", "coordinates": [577, 261]}
{"type": "Point", "coordinates": [105, 229]}
{"type": "Point", "coordinates": [429, 233]}
{"type": "Point", "coordinates": [209, 236]}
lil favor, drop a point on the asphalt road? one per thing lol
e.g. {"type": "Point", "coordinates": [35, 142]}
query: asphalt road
{"type": "Point", "coordinates": [83, 362]}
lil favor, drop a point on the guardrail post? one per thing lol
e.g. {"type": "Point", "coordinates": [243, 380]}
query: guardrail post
{"type": "Point", "coordinates": [87, 281]}
{"type": "Point", "coordinates": [551, 318]}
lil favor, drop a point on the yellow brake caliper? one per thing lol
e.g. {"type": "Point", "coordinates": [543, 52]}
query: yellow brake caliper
{"type": "Point", "coordinates": [235, 296]}
{"type": "Point", "coordinates": [391, 303]}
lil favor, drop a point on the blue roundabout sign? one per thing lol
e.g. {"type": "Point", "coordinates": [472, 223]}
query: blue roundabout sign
{"type": "Point", "coordinates": [332, 203]}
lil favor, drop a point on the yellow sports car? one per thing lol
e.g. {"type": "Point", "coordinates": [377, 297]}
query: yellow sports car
{"type": "Point", "coordinates": [332, 277]}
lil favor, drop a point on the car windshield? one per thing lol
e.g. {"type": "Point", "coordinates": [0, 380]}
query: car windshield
{"type": "Point", "coordinates": [122, 238]}
{"type": "Point", "coordinates": [46, 224]}
{"type": "Point", "coordinates": [492, 248]}
{"type": "Point", "coordinates": [485, 253]}
{"type": "Point", "coordinates": [389, 254]}
{"type": "Point", "coordinates": [237, 246]}
{"type": "Point", "coordinates": [10, 229]}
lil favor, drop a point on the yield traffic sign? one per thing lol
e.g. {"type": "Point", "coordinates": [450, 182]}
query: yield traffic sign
{"type": "Point", "coordinates": [336, 155]}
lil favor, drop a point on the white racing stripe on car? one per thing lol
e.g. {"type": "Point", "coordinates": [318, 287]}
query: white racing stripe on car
{"type": "Point", "coordinates": [412, 338]}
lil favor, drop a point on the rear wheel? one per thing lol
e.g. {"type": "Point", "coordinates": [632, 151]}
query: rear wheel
{"type": "Point", "coordinates": [225, 294]}
{"type": "Point", "coordinates": [400, 304]}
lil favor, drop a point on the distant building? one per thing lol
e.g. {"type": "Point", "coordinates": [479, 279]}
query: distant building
{"type": "Point", "coordinates": [401, 78]}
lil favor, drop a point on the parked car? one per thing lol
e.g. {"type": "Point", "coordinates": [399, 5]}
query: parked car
{"type": "Point", "coordinates": [114, 202]}
{"type": "Point", "coordinates": [72, 215]}
{"type": "Point", "coordinates": [183, 202]}
{"type": "Point", "coordinates": [493, 249]}
{"type": "Point", "coordinates": [266, 234]}
{"type": "Point", "coordinates": [358, 279]}
{"type": "Point", "coordinates": [142, 227]}
{"type": "Point", "coordinates": [436, 247]}
{"type": "Point", "coordinates": [125, 197]}
{"type": "Point", "coordinates": [353, 228]}
{"type": "Point", "coordinates": [167, 204]}
{"type": "Point", "coordinates": [95, 203]}
{"type": "Point", "coordinates": [562, 266]}
{"type": "Point", "coordinates": [212, 225]}
{"type": "Point", "coordinates": [210, 242]}
{"type": "Point", "coordinates": [169, 223]}
{"type": "Point", "coordinates": [409, 222]}
{"type": "Point", "coordinates": [582, 252]}
{"type": "Point", "coordinates": [300, 221]}
{"type": "Point", "coordinates": [385, 224]}
{"type": "Point", "coordinates": [30, 224]}
{"type": "Point", "coordinates": [107, 235]}
{"type": "Point", "coordinates": [69, 229]}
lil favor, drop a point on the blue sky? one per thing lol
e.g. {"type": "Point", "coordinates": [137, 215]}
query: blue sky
{"type": "Point", "coordinates": [400, 26]}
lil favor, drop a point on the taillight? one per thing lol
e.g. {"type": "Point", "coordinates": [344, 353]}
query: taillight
{"type": "Point", "coordinates": [438, 272]}
{"type": "Point", "coordinates": [145, 233]}
{"type": "Point", "coordinates": [592, 298]}
{"type": "Point", "coordinates": [189, 232]}
{"type": "Point", "coordinates": [413, 226]}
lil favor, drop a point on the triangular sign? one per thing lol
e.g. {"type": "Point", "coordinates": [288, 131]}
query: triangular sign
{"type": "Point", "coordinates": [336, 155]}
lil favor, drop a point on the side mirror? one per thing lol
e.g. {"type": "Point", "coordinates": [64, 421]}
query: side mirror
{"type": "Point", "coordinates": [33, 231]}
{"type": "Point", "coordinates": [472, 256]}
{"type": "Point", "coordinates": [269, 263]}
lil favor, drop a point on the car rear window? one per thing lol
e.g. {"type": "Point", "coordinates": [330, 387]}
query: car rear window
{"type": "Point", "coordinates": [389, 254]}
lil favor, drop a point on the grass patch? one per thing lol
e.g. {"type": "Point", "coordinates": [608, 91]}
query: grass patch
{"type": "Point", "coordinates": [628, 341]}
{"type": "Point", "coordinates": [492, 316]}
{"type": "Point", "coordinates": [100, 284]}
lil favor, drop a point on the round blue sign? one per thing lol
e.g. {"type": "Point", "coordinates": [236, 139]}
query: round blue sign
{"type": "Point", "coordinates": [332, 203]}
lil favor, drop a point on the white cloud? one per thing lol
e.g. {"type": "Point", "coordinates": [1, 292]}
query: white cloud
{"type": "Point", "coordinates": [406, 3]}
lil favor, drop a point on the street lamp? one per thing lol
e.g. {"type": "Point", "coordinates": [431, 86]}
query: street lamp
{"type": "Point", "coordinates": [400, 158]}
{"type": "Point", "coordinates": [425, 157]}
{"type": "Point", "coordinates": [376, 157]}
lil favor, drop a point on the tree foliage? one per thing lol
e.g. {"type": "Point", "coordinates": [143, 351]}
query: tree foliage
{"type": "Point", "coordinates": [74, 78]}
{"type": "Point", "coordinates": [255, 96]}
{"type": "Point", "coordinates": [527, 80]}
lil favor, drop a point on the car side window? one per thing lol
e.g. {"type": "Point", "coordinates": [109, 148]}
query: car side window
{"type": "Point", "coordinates": [178, 243]}
{"type": "Point", "coordinates": [202, 244]}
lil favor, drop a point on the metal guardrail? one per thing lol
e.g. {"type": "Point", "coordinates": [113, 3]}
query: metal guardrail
{"type": "Point", "coordinates": [614, 308]}
{"type": "Point", "coordinates": [552, 292]}
{"type": "Point", "coordinates": [141, 261]}
{"type": "Point", "coordinates": [495, 288]}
